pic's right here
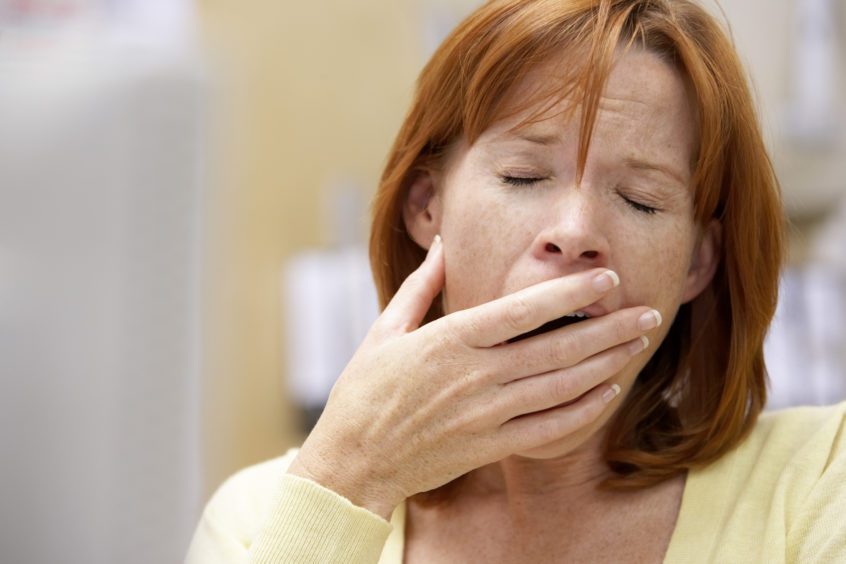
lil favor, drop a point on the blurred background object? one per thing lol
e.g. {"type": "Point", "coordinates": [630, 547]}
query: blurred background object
{"type": "Point", "coordinates": [329, 303]}
{"type": "Point", "coordinates": [102, 106]}
{"type": "Point", "coordinates": [796, 62]}
{"type": "Point", "coordinates": [183, 227]}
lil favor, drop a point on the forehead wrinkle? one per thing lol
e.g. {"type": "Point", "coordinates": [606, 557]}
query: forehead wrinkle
{"type": "Point", "coordinates": [615, 108]}
{"type": "Point", "coordinates": [542, 139]}
{"type": "Point", "coordinates": [668, 171]}
{"type": "Point", "coordinates": [557, 127]}
{"type": "Point", "coordinates": [537, 133]}
{"type": "Point", "coordinates": [606, 100]}
{"type": "Point", "coordinates": [532, 133]}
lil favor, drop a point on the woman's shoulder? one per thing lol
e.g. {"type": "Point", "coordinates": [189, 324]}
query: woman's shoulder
{"type": "Point", "coordinates": [777, 496]}
{"type": "Point", "coordinates": [800, 431]}
{"type": "Point", "coordinates": [794, 446]}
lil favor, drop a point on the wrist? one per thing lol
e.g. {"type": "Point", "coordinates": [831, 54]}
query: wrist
{"type": "Point", "coordinates": [358, 487]}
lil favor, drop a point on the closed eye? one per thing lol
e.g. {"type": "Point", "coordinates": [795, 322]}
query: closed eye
{"type": "Point", "coordinates": [521, 180]}
{"type": "Point", "coordinates": [643, 208]}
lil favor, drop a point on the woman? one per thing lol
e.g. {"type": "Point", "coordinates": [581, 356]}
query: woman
{"type": "Point", "coordinates": [577, 241]}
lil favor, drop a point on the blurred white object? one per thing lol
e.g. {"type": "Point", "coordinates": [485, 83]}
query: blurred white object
{"type": "Point", "coordinates": [330, 303]}
{"type": "Point", "coordinates": [153, 21]}
{"type": "Point", "coordinates": [99, 332]}
{"type": "Point", "coordinates": [825, 302]}
{"type": "Point", "coordinates": [796, 64]}
{"type": "Point", "coordinates": [158, 20]}
{"type": "Point", "coordinates": [829, 243]}
{"type": "Point", "coordinates": [805, 347]}
{"type": "Point", "coordinates": [785, 346]}
{"type": "Point", "coordinates": [815, 69]}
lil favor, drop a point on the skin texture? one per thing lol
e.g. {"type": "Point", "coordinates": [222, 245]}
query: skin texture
{"type": "Point", "coordinates": [419, 406]}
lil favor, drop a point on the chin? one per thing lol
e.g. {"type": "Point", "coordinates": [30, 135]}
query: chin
{"type": "Point", "coordinates": [564, 446]}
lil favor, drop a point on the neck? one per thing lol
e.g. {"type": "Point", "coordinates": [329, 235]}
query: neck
{"type": "Point", "coordinates": [525, 484]}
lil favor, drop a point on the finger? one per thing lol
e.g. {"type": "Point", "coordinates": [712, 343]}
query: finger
{"type": "Point", "coordinates": [545, 391]}
{"type": "Point", "coordinates": [572, 344]}
{"type": "Point", "coordinates": [409, 305]}
{"type": "Point", "coordinates": [502, 319]}
{"type": "Point", "coordinates": [538, 429]}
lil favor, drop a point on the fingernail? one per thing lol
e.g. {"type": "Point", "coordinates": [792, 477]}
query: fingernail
{"type": "Point", "coordinates": [436, 242]}
{"type": "Point", "coordinates": [611, 393]}
{"type": "Point", "coordinates": [606, 281]}
{"type": "Point", "coordinates": [639, 345]}
{"type": "Point", "coordinates": [649, 320]}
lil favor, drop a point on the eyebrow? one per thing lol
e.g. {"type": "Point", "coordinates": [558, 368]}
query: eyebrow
{"type": "Point", "coordinates": [546, 140]}
{"type": "Point", "coordinates": [539, 138]}
{"type": "Point", "coordinates": [639, 164]}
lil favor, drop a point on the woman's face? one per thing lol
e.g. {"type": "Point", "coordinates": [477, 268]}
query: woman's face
{"type": "Point", "coordinates": [511, 215]}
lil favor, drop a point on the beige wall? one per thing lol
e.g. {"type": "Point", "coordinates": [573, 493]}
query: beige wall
{"type": "Point", "coordinates": [308, 92]}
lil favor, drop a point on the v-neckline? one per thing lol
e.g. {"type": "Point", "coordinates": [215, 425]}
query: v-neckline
{"type": "Point", "coordinates": [689, 527]}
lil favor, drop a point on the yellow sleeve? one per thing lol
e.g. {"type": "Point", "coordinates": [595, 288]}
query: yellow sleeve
{"type": "Point", "coordinates": [818, 533]}
{"type": "Point", "coordinates": [263, 515]}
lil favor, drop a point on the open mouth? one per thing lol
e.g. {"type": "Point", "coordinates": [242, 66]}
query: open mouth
{"type": "Point", "coordinates": [569, 319]}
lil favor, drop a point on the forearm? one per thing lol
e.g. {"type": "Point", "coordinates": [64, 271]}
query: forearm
{"type": "Point", "coordinates": [310, 523]}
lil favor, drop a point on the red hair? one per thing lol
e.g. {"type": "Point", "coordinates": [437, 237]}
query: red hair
{"type": "Point", "coordinates": [705, 386]}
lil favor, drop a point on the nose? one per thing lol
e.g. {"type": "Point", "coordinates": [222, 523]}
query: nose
{"type": "Point", "coordinates": [575, 236]}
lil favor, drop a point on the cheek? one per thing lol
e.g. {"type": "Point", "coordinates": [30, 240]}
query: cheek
{"type": "Point", "coordinates": [482, 243]}
{"type": "Point", "coordinates": [656, 264]}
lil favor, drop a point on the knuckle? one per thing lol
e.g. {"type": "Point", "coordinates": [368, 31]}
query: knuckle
{"type": "Point", "coordinates": [585, 415]}
{"type": "Point", "coordinates": [609, 363]}
{"type": "Point", "coordinates": [562, 386]}
{"type": "Point", "coordinates": [471, 325]}
{"type": "Point", "coordinates": [449, 358]}
{"type": "Point", "coordinates": [482, 374]}
{"type": "Point", "coordinates": [617, 330]}
{"type": "Point", "coordinates": [460, 331]}
{"type": "Point", "coordinates": [581, 416]}
{"type": "Point", "coordinates": [466, 379]}
{"type": "Point", "coordinates": [498, 410]}
{"type": "Point", "coordinates": [619, 358]}
{"type": "Point", "coordinates": [549, 430]}
{"type": "Point", "coordinates": [574, 420]}
{"type": "Point", "coordinates": [442, 343]}
{"type": "Point", "coordinates": [443, 329]}
{"type": "Point", "coordinates": [563, 349]}
{"type": "Point", "coordinates": [624, 327]}
{"type": "Point", "coordinates": [594, 408]}
{"type": "Point", "coordinates": [518, 313]}
{"type": "Point", "coordinates": [600, 372]}
{"type": "Point", "coordinates": [433, 347]}
{"type": "Point", "coordinates": [462, 422]}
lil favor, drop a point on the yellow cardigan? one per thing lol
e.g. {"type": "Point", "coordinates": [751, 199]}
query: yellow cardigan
{"type": "Point", "coordinates": [779, 497]}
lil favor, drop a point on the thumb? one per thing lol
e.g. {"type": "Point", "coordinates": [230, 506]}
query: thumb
{"type": "Point", "coordinates": [409, 305]}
